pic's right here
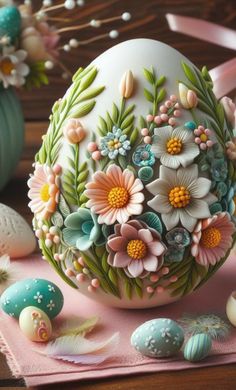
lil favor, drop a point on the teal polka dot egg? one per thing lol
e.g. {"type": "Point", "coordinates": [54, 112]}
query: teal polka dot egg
{"type": "Point", "coordinates": [158, 338]}
{"type": "Point", "coordinates": [10, 22]}
{"type": "Point", "coordinates": [40, 293]}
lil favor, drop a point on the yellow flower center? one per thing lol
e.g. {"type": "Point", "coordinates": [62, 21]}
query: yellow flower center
{"type": "Point", "coordinates": [203, 137]}
{"type": "Point", "coordinates": [44, 193]}
{"type": "Point", "coordinates": [6, 66]}
{"type": "Point", "coordinates": [114, 144]}
{"type": "Point", "coordinates": [179, 197]}
{"type": "Point", "coordinates": [118, 197]}
{"type": "Point", "coordinates": [136, 249]}
{"type": "Point", "coordinates": [211, 237]}
{"type": "Point", "coordinates": [174, 146]}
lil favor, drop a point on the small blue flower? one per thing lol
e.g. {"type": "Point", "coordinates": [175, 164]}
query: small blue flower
{"type": "Point", "coordinates": [219, 169]}
{"type": "Point", "coordinates": [178, 237]}
{"type": "Point", "coordinates": [143, 156]}
{"type": "Point", "coordinates": [115, 143]}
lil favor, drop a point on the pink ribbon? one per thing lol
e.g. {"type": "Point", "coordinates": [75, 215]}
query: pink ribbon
{"type": "Point", "coordinates": [224, 75]}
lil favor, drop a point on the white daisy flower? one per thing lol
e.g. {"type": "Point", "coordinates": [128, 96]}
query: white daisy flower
{"type": "Point", "coordinates": [174, 147]}
{"type": "Point", "coordinates": [181, 196]}
{"type": "Point", "coordinates": [12, 67]}
{"type": "Point", "coordinates": [7, 274]}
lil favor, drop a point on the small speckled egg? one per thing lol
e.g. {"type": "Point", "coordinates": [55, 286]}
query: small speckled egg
{"type": "Point", "coordinates": [158, 338]}
{"type": "Point", "coordinates": [40, 293]}
{"type": "Point", "coordinates": [35, 324]}
{"type": "Point", "coordinates": [197, 347]}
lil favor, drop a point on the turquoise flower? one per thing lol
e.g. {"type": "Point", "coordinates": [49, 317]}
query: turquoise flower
{"type": "Point", "coordinates": [219, 169]}
{"type": "Point", "coordinates": [178, 237]}
{"type": "Point", "coordinates": [143, 156]}
{"type": "Point", "coordinates": [82, 230]}
{"type": "Point", "coordinates": [174, 254]}
{"type": "Point", "coordinates": [114, 143]}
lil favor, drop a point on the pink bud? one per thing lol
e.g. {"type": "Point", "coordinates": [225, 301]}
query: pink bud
{"type": "Point", "coordinates": [177, 113]}
{"type": "Point", "coordinates": [168, 103]}
{"type": "Point", "coordinates": [150, 290]}
{"type": "Point", "coordinates": [229, 109]}
{"type": "Point", "coordinates": [163, 109]}
{"type": "Point", "coordinates": [69, 272]}
{"type": "Point", "coordinates": [149, 118]}
{"type": "Point", "coordinates": [172, 121]}
{"type": "Point", "coordinates": [160, 289]}
{"type": "Point", "coordinates": [164, 117]}
{"type": "Point", "coordinates": [96, 155]}
{"type": "Point", "coordinates": [173, 98]}
{"type": "Point", "coordinates": [144, 132]}
{"type": "Point", "coordinates": [92, 146]}
{"type": "Point", "coordinates": [80, 278]}
{"type": "Point", "coordinates": [154, 278]}
{"type": "Point", "coordinates": [192, 99]}
{"type": "Point", "coordinates": [147, 139]}
{"type": "Point", "coordinates": [157, 120]}
{"type": "Point", "coordinates": [95, 283]}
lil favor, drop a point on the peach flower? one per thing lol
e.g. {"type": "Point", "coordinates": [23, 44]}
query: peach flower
{"type": "Point", "coordinates": [114, 195]}
{"type": "Point", "coordinates": [187, 97]}
{"type": "Point", "coordinates": [74, 131]}
{"type": "Point", "coordinates": [44, 190]}
{"type": "Point", "coordinates": [212, 237]}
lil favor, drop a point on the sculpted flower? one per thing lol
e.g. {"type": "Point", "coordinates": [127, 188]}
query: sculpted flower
{"type": "Point", "coordinates": [127, 84]}
{"type": "Point", "coordinates": [231, 149]}
{"type": "Point", "coordinates": [13, 70]}
{"type": "Point", "coordinates": [44, 190]}
{"type": "Point", "coordinates": [187, 97]}
{"type": "Point", "coordinates": [212, 237]}
{"type": "Point", "coordinates": [115, 143]}
{"type": "Point", "coordinates": [229, 109]}
{"type": "Point", "coordinates": [202, 138]}
{"type": "Point", "coordinates": [136, 248]}
{"type": "Point", "coordinates": [82, 230]}
{"type": "Point", "coordinates": [143, 156]}
{"type": "Point", "coordinates": [181, 196]}
{"type": "Point", "coordinates": [74, 131]}
{"type": "Point", "coordinates": [174, 147]}
{"type": "Point", "coordinates": [114, 195]}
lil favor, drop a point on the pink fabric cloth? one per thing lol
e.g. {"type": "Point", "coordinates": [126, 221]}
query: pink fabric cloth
{"type": "Point", "coordinates": [37, 369]}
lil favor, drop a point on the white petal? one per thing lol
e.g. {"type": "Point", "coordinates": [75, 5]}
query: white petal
{"type": "Point", "coordinates": [150, 263]}
{"type": "Point", "coordinates": [171, 219]}
{"type": "Point", "coordinates": [160, 203]}
{"type": "Point", "coordinates": [198, 209]}
{"type": "Point", "coordinates": [190, 151]}
{"type": "Point", "coordinates": [164, 132]}
{"type": "Point", "coordinates": [186, 176]}
{"type": "Point", "coordinates": [187, 221]}
{"type": "Point", "coordinates": [135, 268]}
{"type": "Point", "coordinates": [169, 175]}
{"type": "Point", "coordinates": [170, 161]}
{"type": "Point", "coordinates": [200, 187]}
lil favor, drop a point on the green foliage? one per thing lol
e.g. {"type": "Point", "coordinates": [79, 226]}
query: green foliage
{"type": "Point", "coordinates": [157, 94]}
{"type": "Point", "coordinates": [37, 76]}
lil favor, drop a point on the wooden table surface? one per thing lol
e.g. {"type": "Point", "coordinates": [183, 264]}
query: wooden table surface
{"type": "Point", "coordinates": [148, 21]}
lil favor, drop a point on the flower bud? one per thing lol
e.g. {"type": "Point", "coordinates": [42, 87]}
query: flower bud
{"type": "Point", "coordinates": [188, 97]}
{"type": "Point", "coordinates": [127, 84]}
{"type": "Point", "coordinates": [73, 131]}
{"type": "Point", "coordinates": [32, 43]}
{"type": "Point", "coordinates": [229, 109]}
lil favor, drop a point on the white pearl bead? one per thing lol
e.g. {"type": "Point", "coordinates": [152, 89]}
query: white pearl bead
{"type": "Point", "coordinates": [95, 23]}
{"type": "Point", "coordinates": [66, 47]}
{"type": "Point", "coordinates": [73, 43]}
{"type": "Point", "coordinates": [69, 4]}
{"type": "Point", "coordinates": [47, 3]}
{"type": "Point", "coordinates": [65, 76]}
{"type": "Point", "coordinates": [126, 16]}
{"type": "Point", "coordinates": [49, 65]}
{"type": "Point", "coordinates": [113, 34]}
{"type": "Point", "coordinates": [80, 3]}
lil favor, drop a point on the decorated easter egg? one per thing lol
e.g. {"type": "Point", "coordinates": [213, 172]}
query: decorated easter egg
{"type": "Point", "coordinates": [133, 189]}
{"type": "Point", "coordinates": [158, 338]}
{"type": "Point", "coordinates": [16, 236]}
{"type": "Point", "coordinates": [35, 324]}
{"type": "Point", "coordinates": [10, 22]}
{"type": "Point", "coordinates": [197, 347]}
{"type": "Point", "coordinates": [231, 308]}
{"type": "Point", "coordinates": [40, 293]}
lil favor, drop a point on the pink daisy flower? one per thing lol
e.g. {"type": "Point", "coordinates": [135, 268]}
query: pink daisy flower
{"type": "Point", "coordinates": [212, 237]}
{"type": "Point", "coordinates": [202, 138]}
{"type": "Point", "coordinates": [44, 190]}
{"type": "Point", "coordinates": [114, 195]}
{"type": "Point", "coordinates": [136, 248]}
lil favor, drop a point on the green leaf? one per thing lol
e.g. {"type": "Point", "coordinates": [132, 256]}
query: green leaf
{"type": "Point", "coordinates": [128, 290]}
{"type": "Point", "coordinates": [138, 291]}
{"type": "Point", "coordinates": [89, 94]}
{"type": "Point", "coordinates": [149, 76]}
{"type": "Point", "coordinates": [115, 113]}
{"type": "Point", "coordinates": [77, 74]}
{"type": "Point", "coordinates": [109, 122]}
{"type": "Point", "coordinates": [128, 111]}
{"type": "Point", "coordinates": [112, 276]}
{"type": "Point", "coordinates": [127, 122]}
{"type": "Point", "coordinates": [189, 73]}
{"type": "Point", "coordinates": [83, 176]}
{"type": "Point", "coordinates": [161, 95]}
{"type": "Point", "coordinates": [160, 81]}
{"type": "Point", "coordinates": [63, 206]}
{"type": "Point", "coordinates": [134, 136]}
{"type": "Point", "coordinates": [88, 79]}
{"type": "Point", "coordinates": [82, 110]}
{"type": "Point", "coordinates": [105, 264]}
{"type": "Point", "coordinates": [122, 160]}
{"type": "Point", "coordinates": [220, 114]}
{"type": "Point", "coordinates": [142, 122]}
{"type": "Point", "coordinates": [148, 95]}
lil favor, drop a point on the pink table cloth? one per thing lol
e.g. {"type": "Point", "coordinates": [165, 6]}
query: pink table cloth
{"type": "Point", "coordinates": [37, 369]}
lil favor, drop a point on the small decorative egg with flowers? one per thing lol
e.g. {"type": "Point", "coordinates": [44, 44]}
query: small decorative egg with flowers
{"type": "Point", "coordinates": [133, 190]}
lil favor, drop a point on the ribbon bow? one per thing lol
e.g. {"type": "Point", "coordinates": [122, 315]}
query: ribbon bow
{"type": "Point", "coordinates": [224, 75]}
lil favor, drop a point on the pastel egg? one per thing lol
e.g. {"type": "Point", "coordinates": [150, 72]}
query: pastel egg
{"type": "Point", "coordinates": [40, 293]}
{"type": "Point", "coordinates": [231, 308]}
{"type": "Point", "coordinates": [158, 338]}
{"type": "Point", "coordinates": [16, 236]}
{"type": "Point", "coordinates": [35, 324]}
{"type": "Point", "coordinates": [10, 22]}
{"type": "Point", "coordinates": [197, 347]}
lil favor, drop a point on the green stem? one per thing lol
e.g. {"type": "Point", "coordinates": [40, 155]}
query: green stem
{"type": "Point", "coordinates": [76, 171]}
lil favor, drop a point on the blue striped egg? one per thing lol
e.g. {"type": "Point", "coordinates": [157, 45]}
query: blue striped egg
{"type": "Point", "coordinates": [197, 347]}
{"type": "Point", "coordinates": [157, 338]}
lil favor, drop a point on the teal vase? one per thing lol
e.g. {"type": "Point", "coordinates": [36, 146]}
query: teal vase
{"type": "Point", "coordinates": [11, 133]}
